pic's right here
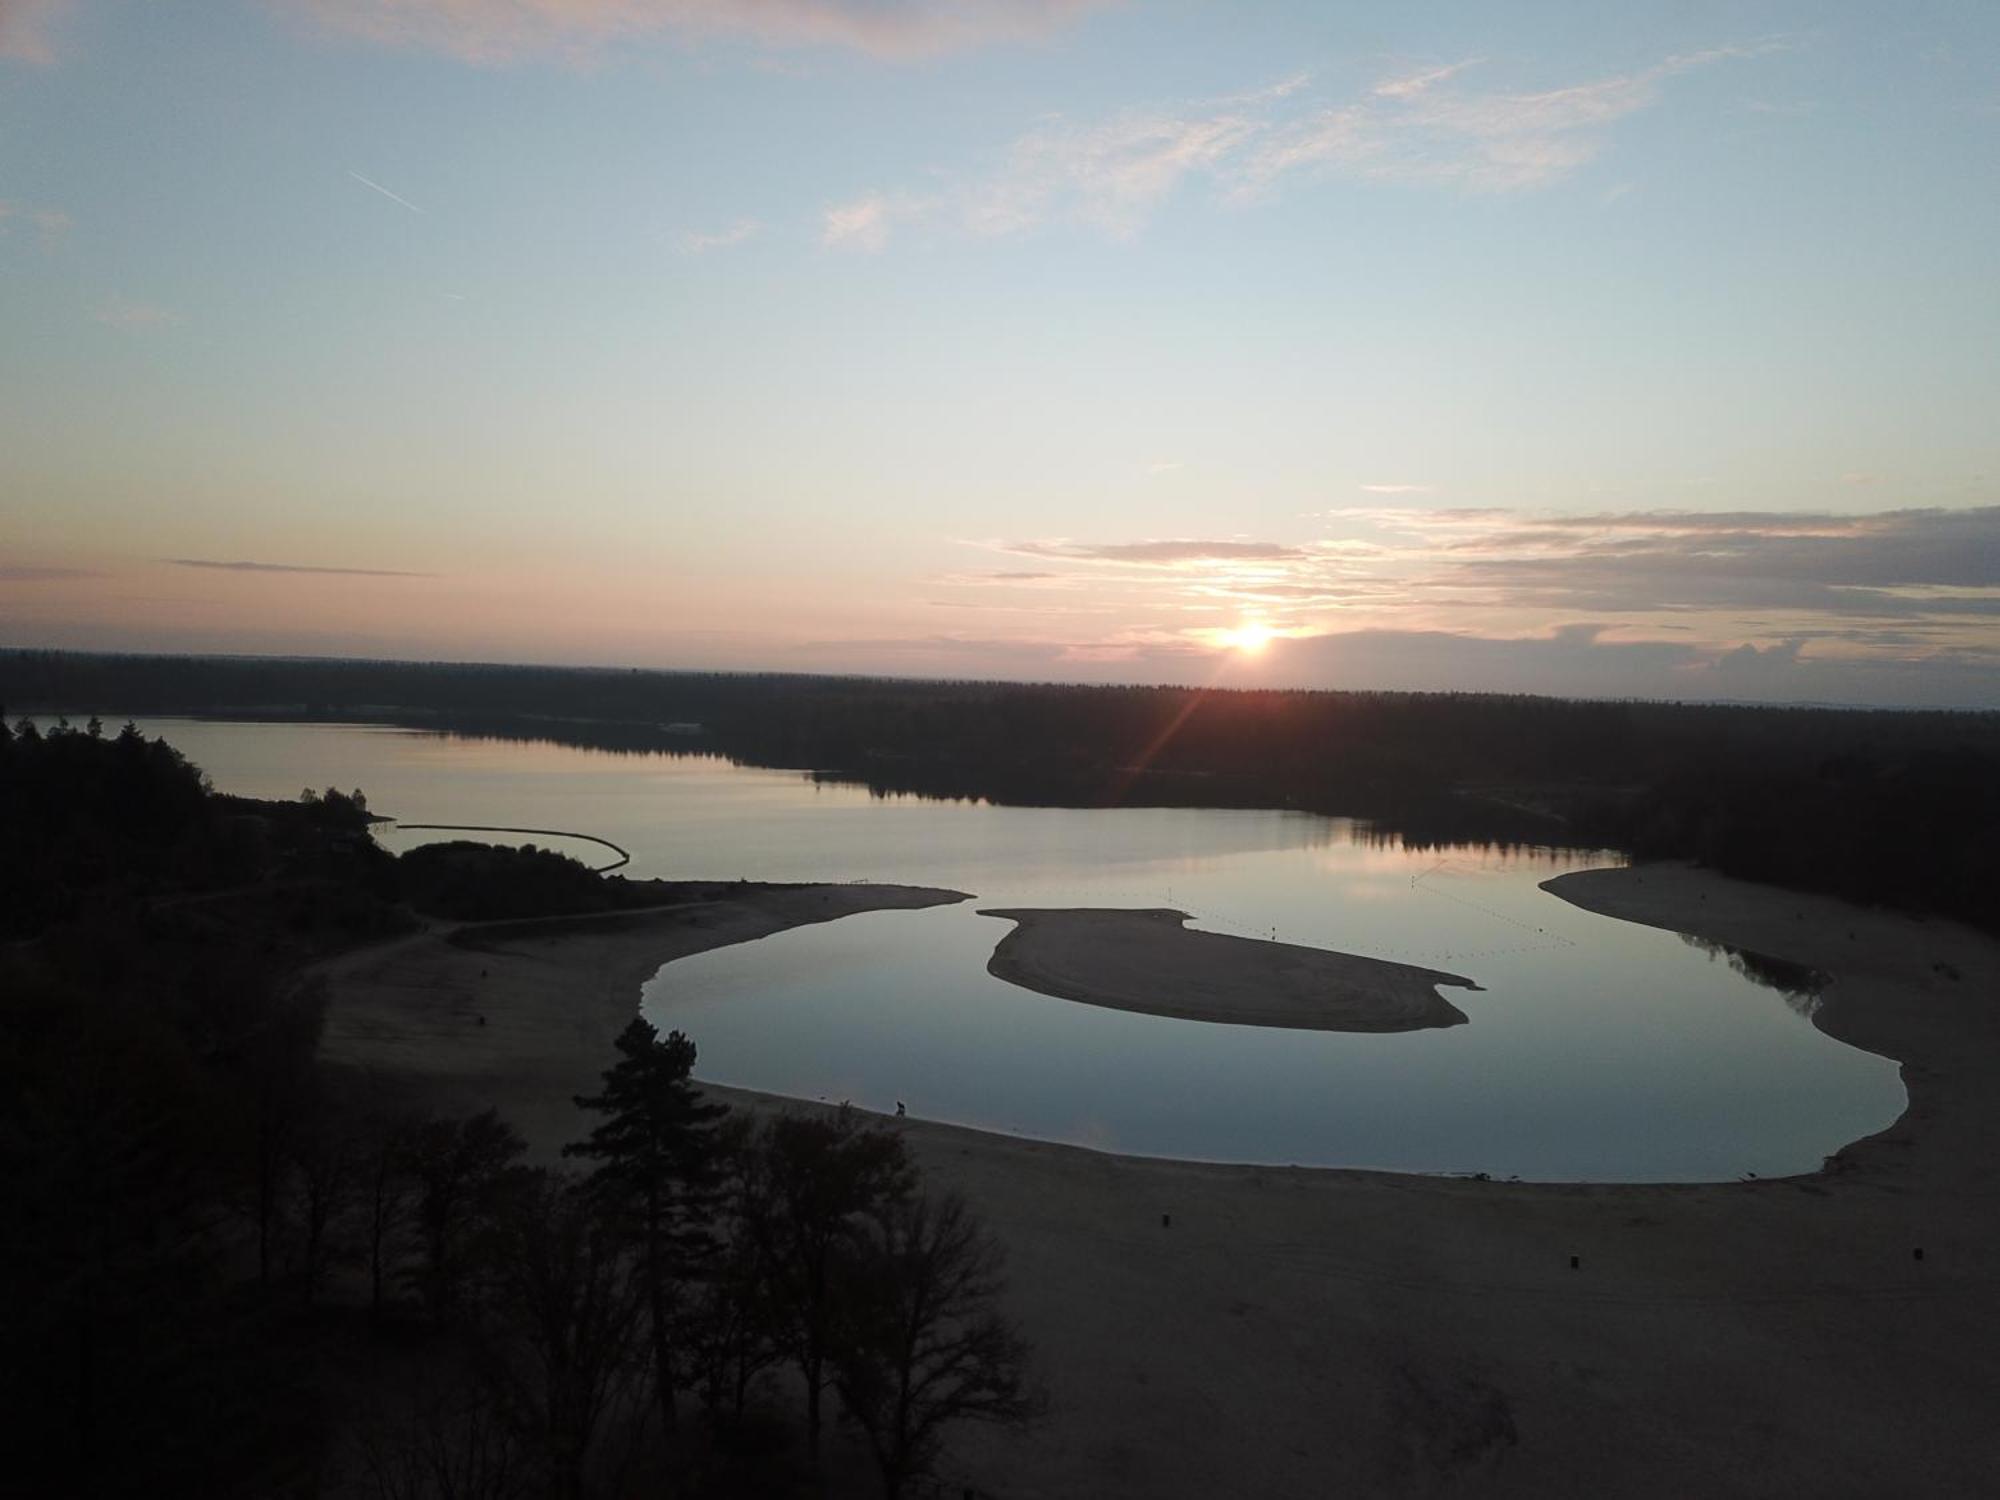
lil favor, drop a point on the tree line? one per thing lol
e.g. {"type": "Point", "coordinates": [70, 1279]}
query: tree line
{"type": "Point", "coordinates": [1891, 807]}
{"type": "Point", "coordinates": [637, 1319]}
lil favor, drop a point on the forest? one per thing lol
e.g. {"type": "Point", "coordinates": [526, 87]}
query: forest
{"type": "Point", "coordinates": [230, 1267]}
{"type": "Point", "coordinates": [1897, 808]}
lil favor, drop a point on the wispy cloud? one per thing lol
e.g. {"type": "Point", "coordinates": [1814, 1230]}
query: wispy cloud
{"type": "Point", "coordinates": [118, 312]}
{"type": "Point", "coordinates": [1396, 489]}
{"type": "Point", "coordinates": [1154, 553]}
{"type": "Point", "coordinates": [1904, 564]}
{"type": "Point", "coordinates": [48, 224]}
{"type": "Point", "coordinates": [36, 573]}
{"type": "Point", "coordinates": [369, 182]}
{"type": "Point", "coordinates": [1005, 576]}
{"type": "Point", "coordinates": [1432, 127]}
{"type": "Point", "coordinates": [509, 31]}
{"type": "Point", "coordinates": [698, 242]}
{"type": "Point", "coordinates": [1412, 84]}
{"type": "Point", "coordinates": [1457, 587]}
{"type": "Point", "coordinates": [26, 27]}
{"type": "Point", "coordinates": [862, 224]}
{"type": "Point", "coordinates": [220, 565]}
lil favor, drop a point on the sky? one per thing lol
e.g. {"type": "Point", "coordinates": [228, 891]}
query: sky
{"type": "Point", "coordinates": [1566, 348]}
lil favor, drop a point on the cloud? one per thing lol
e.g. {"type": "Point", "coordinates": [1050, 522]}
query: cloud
{"type": "Point", "coordinates": [1397, 489]}
{"type": "Point", "coordinates": [120, 313]}
{"type": "Point", "coordinates": [49, 224]}
{"type": "Point", "coordinates": [492, 32]}
{"type": "Point", "coordinates": [1915, 591]}
{"type": "Point", "coordinates": [33, 573]}
{"type": "Point", "coordinates": [1416, 83]}
{"type": "Point", "coordinates": [1891, 562]}
{"type": "Point", "coordinates": [268, 567]}
{"type": "Point", "coordinates": [1004, 575]}
{"type": "Point", "coordinates": [1584, 661]}
{"type": "Point", "coordinates": [1428, 128]}
{"type": "Point", "coordinates": [1156, 553]}
{"type": "Point", "coordinates": [695, 242]}
{"type": "Point", "coordinates": [1750, 658]}
{"type": "Point", "coordinates": [860, 225]}
{"type": "Point", "coordinates": [1112, 175]}
{"type": "Point", "coordinates": [25, 27]}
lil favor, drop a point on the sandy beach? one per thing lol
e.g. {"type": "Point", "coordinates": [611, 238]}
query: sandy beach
{"type": "Point", "coordinates": [1293, 1332]}
{"type": "Point", "coordinates": [1148, 961]}
{"type": "Point", "coordinates": [522, 1014]}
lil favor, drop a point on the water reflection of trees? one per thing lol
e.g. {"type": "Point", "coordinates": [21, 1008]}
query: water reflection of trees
{"type": "Point", "coordinates": [1799, 985]}
{"type": "Point", "coordinates": [1892, 808]}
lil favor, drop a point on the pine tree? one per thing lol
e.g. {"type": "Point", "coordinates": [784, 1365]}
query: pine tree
{"type": "Point", "coordinates": [657, 1165]}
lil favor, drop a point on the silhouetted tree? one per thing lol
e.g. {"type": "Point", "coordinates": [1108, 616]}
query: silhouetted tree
{"type": "Point", "coordinates": [816, 1180]}
{"type": "Point", "coordinates": [460, 1169]}
{"type": "Point", "coordinates": [922, 1341]}
{"type": "Point", "coordinates": [732, 1330]}
{"type": "Point", "coordinates": [656, 1155]}
{"type": "Point", "coordinates": [448, 1443]}
{"type": "Point", "coordinates": [327, 1155]}
{"type": "Point", "coordinates": [387, 1147]}
{"type": "Point", "coordinates": [561, 1324]}
{"type": "Point", "coordinates": [272, 1051]}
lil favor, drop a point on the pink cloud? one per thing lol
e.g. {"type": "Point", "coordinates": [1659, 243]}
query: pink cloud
{"type": "Point", "coordinates": [24, 29]}
{"type": "Point", "coordinates": [506, 31]}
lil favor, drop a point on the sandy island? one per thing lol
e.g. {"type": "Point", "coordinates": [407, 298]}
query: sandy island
{"type": "Point", "coordinates": [1308, 1332]}
{"type": "Point", "coordinates": [1148, 961]}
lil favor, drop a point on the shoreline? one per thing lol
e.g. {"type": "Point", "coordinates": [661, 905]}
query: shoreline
{"type": "Point", "coordinates": [1147, 961]}
{"type": "Point", "coordinates": [521, 1013]}
{"type": "Point", "coordinates": [1198, 1322]}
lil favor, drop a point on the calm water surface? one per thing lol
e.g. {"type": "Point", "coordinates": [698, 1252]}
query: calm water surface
{"type": "Point", "coordinates": [1598, 1050]}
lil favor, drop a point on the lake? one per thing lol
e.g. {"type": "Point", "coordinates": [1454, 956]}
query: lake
{"type": "Point", "coordinates": [1598, 1050]}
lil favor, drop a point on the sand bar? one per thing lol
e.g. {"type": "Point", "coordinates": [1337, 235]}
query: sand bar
{"type": "Point", "coordinates": [1148, 961]}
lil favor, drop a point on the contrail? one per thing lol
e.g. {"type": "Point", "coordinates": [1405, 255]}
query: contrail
{"type": "Point", "coordinates": [393, 197]}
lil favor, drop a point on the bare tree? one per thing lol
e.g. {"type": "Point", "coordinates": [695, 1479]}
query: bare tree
{"type": "Point", "coordinates": [733, 1328]}
{"type": "Point", "coordinates": [923, 1343]}
{"type": "Point", "coordinates": [564, 1328]}
{"type": "Point", "coordinates": [386, 1189]}
{"type": "Point", "coordinates": [814, 1181]}
{"type": "Point", "coordinates": [327, 1162]}
{"type": "Point", "coordinates": [452, 1446]}
{"type": "Point", "coordinates": [460, 1168]}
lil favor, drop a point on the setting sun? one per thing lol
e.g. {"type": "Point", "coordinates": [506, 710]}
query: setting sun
{"type": "Point", "coordinates": [1250, 638]}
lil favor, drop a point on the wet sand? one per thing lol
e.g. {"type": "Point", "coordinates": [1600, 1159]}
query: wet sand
{"type": "Point", "coordinates": [1148, 961]}
{"type": "Point", "coordinates": [1306, 1332]}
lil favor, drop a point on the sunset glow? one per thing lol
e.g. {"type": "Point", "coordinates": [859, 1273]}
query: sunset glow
{"type": "Point", "coordinates": [1076, 341]}
{"type": "Point", "coordinates": [1249, 639]}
